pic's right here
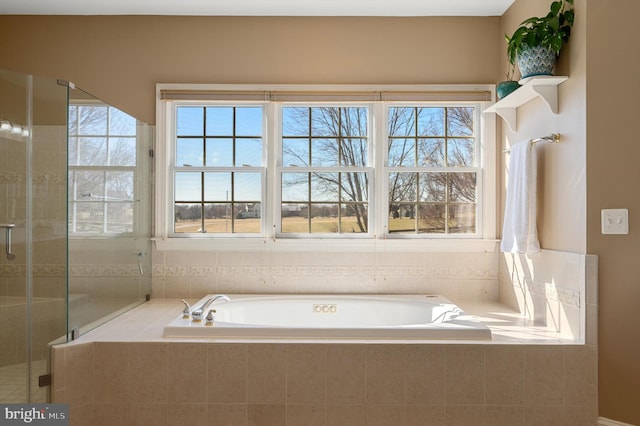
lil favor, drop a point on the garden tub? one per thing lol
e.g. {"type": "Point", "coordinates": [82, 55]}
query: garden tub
{"type": "Point", "coordinates": [331, 317]}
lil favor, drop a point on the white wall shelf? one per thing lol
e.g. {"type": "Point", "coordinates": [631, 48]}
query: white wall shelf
{"type": "Point", "coordinates": [545, 87]}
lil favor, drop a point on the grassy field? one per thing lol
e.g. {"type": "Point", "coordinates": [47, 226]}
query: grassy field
{"type": "Point", "coordinates": [320, 225]}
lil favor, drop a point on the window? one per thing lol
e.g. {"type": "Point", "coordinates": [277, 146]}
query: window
{"type": "Point", "coordinates": [218, 172]}
{"type": "Point", "coordinates": [102, 170]}
{"type": "Point", "coordinates": [432, 170]}
{"type": "Point", "coordinates": [279, 164]}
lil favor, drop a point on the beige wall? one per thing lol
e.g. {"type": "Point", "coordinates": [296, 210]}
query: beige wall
{"type": "Point", "coordinates": [120, 59]}
{"type": "Point", "coordinates": [613, 174]}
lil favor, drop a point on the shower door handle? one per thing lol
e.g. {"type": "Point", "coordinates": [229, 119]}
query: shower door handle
{"type": "Point", "coordinates": [8, 227]}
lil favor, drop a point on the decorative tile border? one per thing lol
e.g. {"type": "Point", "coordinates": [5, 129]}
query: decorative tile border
{"type": "Point", "coordinates": [8, 177]}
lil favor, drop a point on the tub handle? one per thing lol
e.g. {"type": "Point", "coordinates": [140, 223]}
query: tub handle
{"type": "Point", "coordinates": [8, 227]}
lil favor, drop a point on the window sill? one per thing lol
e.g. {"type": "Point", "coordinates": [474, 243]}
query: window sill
{"type": "Point", "coordinates": [332, 245]}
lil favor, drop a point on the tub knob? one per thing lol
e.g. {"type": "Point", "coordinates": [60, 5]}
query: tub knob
{"type": "Point", "coordinates": [210, 317]}
{"type": "Point", "coordinates": [186, 312]}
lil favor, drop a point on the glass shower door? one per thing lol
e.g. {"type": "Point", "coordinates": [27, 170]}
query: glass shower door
{"type": "Point", "coordinates": [33, 235]}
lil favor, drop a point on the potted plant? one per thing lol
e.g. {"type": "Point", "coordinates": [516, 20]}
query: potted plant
{"type": "Point", "coordinates": [509, 85]}
{"type": "Point", "coordinates": [536, 43]}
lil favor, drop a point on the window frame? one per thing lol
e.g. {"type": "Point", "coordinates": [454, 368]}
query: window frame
{"type": "Point", "coordinates": [486, 210]}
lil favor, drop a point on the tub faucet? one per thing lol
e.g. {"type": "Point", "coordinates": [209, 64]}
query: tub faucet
{"type": "Point", "coordinates": [198, 312]}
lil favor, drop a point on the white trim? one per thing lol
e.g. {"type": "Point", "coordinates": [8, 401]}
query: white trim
{"type": "Point", "coordinates": [607, 422]}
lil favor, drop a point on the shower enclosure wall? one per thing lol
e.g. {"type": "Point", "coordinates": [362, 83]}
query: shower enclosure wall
{"type": "Point", "coordinates": [74, 222]}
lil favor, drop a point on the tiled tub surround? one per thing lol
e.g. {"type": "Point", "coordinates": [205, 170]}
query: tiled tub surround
{"type": "Point", "coordinates": [529, 374]}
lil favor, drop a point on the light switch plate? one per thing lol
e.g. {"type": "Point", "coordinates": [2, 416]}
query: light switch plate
{"type": "Point", "coordinates": [615, 221]}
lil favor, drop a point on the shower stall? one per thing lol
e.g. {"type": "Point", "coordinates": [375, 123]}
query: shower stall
{"type": "Point", "coordinates": [75, 222]}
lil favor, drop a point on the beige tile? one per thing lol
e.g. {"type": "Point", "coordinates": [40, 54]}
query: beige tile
{"type": "Point", "coordinates": [346, 374]}
{"type": "Point", "coordinates": [306, 374]}
{"type": "Point", "coordinates": [424, 375]}
{"type": "Point", "coordinates": [306, 415]}
{"type": "Point", "coordinates": [228, 414]}
{"type": "Point", "coordinates": [425, 415]}
{"type": "Point", "coordinates": [266, 415]}
{"type": "Point", "coordinates": [385, 415]}
{"type": "Point", "coordinates": [109, 414]}
{"type": "Point", "coordinates": [581, 415]}
{"type": "Point", "coordinates": [227, 373]}
{"type": "Point", "coordinates": [148, 414]}
{"type": "Point", "coordinates": [346, 415]}
{"type": "Point", "coordinates": [504, 375]}
{"type": "Point", "coordinates": [544, 415]}
{"type": "Point", "coordinates": [188, 414]}
{"type": "Point", "coordinates": [148, 372]}
{"type": "Point", "coordinates": [267, 373]}
{"type": "Point", "coordinates": [464, 375]}
{"type": "Point", "coordinates": [463, 415]}
{"type": "Point", "coordinates": [580, 375]}
{"type": "Point", "coordinates": [79, 384]}
{"type": "Point", "coordinates": [111, 371]}
{"type": "Point", "coordinates": [506, 415]}
{"type": "Point", "coordinates": [544, 373]}
{"type": "Point", "coordinates": [187, 372]}
{"type": "Point", "coordinates": [385, 374]}
{"type": "Point", "coordinates": [81, 415]}
{"type": "Point", "coordinates": [57, 371]}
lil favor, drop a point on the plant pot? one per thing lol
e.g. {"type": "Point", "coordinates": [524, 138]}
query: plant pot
{"type": "Point", "coordinates": [536, 60]}
{"type": "Point", "coordinates": [506, 87]}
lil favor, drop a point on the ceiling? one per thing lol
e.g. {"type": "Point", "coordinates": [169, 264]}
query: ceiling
{"type": "Point", "coordinates": [258, 7]}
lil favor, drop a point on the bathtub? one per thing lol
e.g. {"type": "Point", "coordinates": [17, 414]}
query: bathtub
{"type": "Point", "coordinates": [332, 317]}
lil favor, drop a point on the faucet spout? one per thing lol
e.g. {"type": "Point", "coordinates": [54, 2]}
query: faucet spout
{"type": "Point", "coordinates": [199, 311]}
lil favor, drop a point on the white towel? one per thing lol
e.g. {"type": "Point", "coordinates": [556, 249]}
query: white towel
{"type": "Point", "coordinates": [519, 232]}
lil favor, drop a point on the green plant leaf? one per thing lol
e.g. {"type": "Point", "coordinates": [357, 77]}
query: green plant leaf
{"type": "Point", "coordinates": [556, 6]}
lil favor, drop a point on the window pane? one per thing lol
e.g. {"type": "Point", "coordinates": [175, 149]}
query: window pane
{"type": "Point", "coordinates": [122, 151]}
{"type": "Point", "coordinates": [121, 123]}
{"type": "Point", "coordinates": [431, 152]}
{"type": "Point", "coordinates": [431, 218]}
{"type": "Point", "coordinates": [462, 218]}
{"type": "Point", "coordinates": [294, 218]}
{"type": "Point", "coordinates": [247, 187]}
{"type": "Point", "coordinates": [248, 121]}
{"type": "Point", "coordinates": [353, 218]}
{"type": "Point", "coordinates": [89, 185]}
{"type": "Point", "coordinates": [462, 187]}
{"type": "Point", "coordinates": [431, 121]}
{"type": "Point", "coordinates": [324, 187]}
{"type": "Point", "coordinates": [188, 218]}
{"type": "Point", "coordinates": [325, 121]}
{"type": "Point", "coordinates": [189, 121]}
{"type": "Point", "coordinates": [402, 218]}
{"type": "Point", "coordinates": [354, 152]}
{"type": "Point", "coordinates": [295, 121]}
{"type": "Point", "coordinates": [460, 121]}
{"type": "Point", "coordinates": [218, 218]}
{"type": "Point", "coordinates": [324, 218]}
{"type": "Point", "coordinates": [402, 187]}
{"type": "Point", "coordinates": [324, 152]}
{"type": "Point", "coordinates": [120, 217]}
{"type": "Point", "coordinates": [219, 152]}
{"type": "Point", "coordinates": [92, 151]}
{"type": "Point", "coordinates": [433, 187]}
{"type": "Point", "coordinates": [92, 120]}
{"type": "Point", "coordinates": [354, 121]}
{"type": "Point", "coordinates": [402, 152]}
{"type": "Point", "coordinates": [295, 152]}
{"type": "Point", "coordinates": [73, 120]}
{"type": "Point", "coordinates": [188, 186]}
{"type": "Point", "coordinates": [402, 121]}
{"type": "Point", "coordinates": [295, 187]}
{"type": "Point", "coordinates": [460, 152]}
{"type": "Point", "coordinates": [247, 218]}
{"type": "Point", "coordinates": [354, 186]}
{"type": "Point", "coordinates": [189, 152]}
{"type": "Point", "coordinates": [73, 150]}
{"type": "Point", "coordinates": [248, 152]}
{"type": "Point", "coordinates": [217, 187]}
{"type": "Point", "coordinates": [119, 186]}
{"type": "Point", "coordinates": [219, 121]}
{"type": "Point", "coordinates": [89, 217]}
